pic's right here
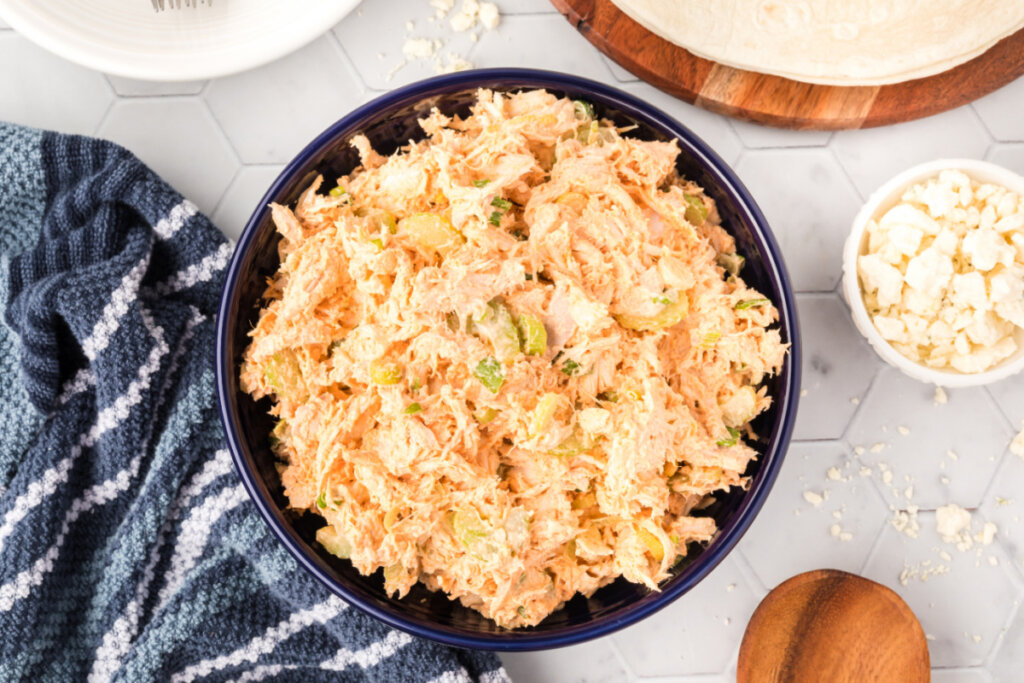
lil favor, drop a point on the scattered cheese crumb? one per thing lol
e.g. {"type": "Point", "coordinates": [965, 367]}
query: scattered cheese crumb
{"type": "Point", "coordinates": [834, 474]}
{"type": "Point", "coordinates": [903, 430]}
{"type": "Point", "coordinates": [813, 498]}
{"type": "Point", "coordinates": [865, 471]}
{"type": "Point", "coordinates": [834, 530]}
{"type": "Point", "coordinates": [420, 48]}
{"type": "Point", "coordinates": [803, 392]}
{"type": "Point", "coordinates": [1017, 445]}
{"type": "Point", "coordinates": [952, 455]}
{"type": "Point", "coordinates": [993, 560]}
{"type": "Point", "coordinates": [858, 450]}
{"type": "Point", "coordinates": [887, 477]}
{"type": "Point", "coordinates": [730, 588]}
{"type": "Point", "coordinates": [878, 447]}
{"type": "Point", "coordinates": [940, 396]}
{"type": "Point", "coordinates": [944, 480]}
{"type": "Point", "coordinates": [953, 524]}
{"type": "Point", "coordinates": [855, 401]}
{"type": "Point", "coordinates": [908, 492]}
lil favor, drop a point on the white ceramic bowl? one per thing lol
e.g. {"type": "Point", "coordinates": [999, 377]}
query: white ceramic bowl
{"type": "Point", "coordinates": [856, 244]}
{"type": "Point", "coordinates": [127, 38]}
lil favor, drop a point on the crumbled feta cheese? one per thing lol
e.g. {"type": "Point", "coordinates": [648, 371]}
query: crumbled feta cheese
{"type": "Point", "coordinates": [940, 396]}
{"type": "Point", "coordinates": [1017, 445]}
{"type": "Point", "coordinates": [813, 498]}
{"type": "Point", "coordinates": [943, 276]}
{"type": "Point", "coordinates": [878, 447]}
{"type": "Point", "coordinates": [902, 430]}
{"type": "Point", "coordinates": [834, 474]}
{"type": "Point", "coordinates": [420, 48]}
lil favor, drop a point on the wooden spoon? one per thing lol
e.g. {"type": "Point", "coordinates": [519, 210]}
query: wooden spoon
{"type": "Point", "coordinates": [828, 625]}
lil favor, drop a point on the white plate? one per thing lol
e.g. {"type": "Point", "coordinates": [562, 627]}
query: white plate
{"type": "Point", "coordinates": [128, 38]}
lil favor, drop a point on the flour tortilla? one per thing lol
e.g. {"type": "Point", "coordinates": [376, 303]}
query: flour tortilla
{"type": "Point", "coordinates": [838, 42]}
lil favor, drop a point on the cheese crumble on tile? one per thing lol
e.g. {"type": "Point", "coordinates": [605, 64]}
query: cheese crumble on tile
{"type": "Point", "coordinates": [943, 276]}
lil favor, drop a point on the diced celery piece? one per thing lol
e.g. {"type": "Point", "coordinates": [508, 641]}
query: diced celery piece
{"type": "Point", "coordinates": [432, 231]}
{"type": "Point", "coordinates": [584, 111]}
{"type": "Point", "coordinates": [490, 374]}
{"type": "Point", "coordinates": [413, 408]}
{"type": "Point", "coordinates": [571, 445]}
{"type": "Point", "coordinates": [709, 339]}
{"type": "Point", "coordinates": [333, 542]}
{"type": "Point", "coordinates": [732, 440]}
{"type": "Point", "coordinates": [321, 500]}
{"type": "Point", "coordinates": [750, 303]}
{"type": "Point", "coordinates": [696, 211]}
{"type": "Point", "coordinates": [495, 325]}
{"type": "Point", "coordinates": [485, 416]}
{"type": "Point", "coordinates": [669, 316]}
{"type": "Point", "coordinates": [542, 413]}
{"type": "Point", "coordinates": [534, 334]}
{"type": "Point", "coordinates": [385, 372]}
{"type": "Point", "coordinates": [732, 263]}
{"type": "Point", "coordinates": [340, 191]}
{"type": "Point", "coordinates": [481, 183]}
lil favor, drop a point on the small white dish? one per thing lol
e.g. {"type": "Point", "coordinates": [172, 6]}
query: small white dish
{"type": "Point", "coordinates": [128, 38]}
{"type": "Point", "coordinates": [877, 204]}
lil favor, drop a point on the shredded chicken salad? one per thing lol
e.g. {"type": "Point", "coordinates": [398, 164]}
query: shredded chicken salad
{"type": "Point", "coordinates": [512, 361]}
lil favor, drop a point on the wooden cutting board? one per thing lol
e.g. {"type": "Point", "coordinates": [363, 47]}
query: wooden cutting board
{"type": "Point", "coordinates": [778, 101]}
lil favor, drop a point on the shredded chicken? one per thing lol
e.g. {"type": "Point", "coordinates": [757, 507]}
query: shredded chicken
{"type": "Point", "coordinates": [513, 360]}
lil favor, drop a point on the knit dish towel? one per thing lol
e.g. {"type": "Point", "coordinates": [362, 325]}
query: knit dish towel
{"type": "Point", "coordinates": [128, 548]}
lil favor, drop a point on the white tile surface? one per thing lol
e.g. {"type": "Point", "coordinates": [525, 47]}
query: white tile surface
{"type": "Point", "coordinates": [960, 676]}
{"type": "Point", "coordinates": [592, 662]}
{"type": "Point", "coordinates": [809, 203]}
{"type": "Point", "coordinates": [129, 87]}
{"type": "Point", "coordinates": [699, 633]}
{"type": "Point", "coordinates": [242, 196]}
{"type": "Point", "coordinates": [972, 429]}
{"type": "Point", "coordinates": [1001, 112]}
{"type": "Point", "coordinates": [180, 140]}
{"type": "Point", "coordinates": [619, 73]}
{"type": "Point", "coordinates": [873, 155]}
{"type": "Point", "coordinates": [1011, 156]}
{"type": "Point", "coordinates": [313, 88]}
{"type": "Point", "coordinates": [837, 367]}
{"type": "Point", "coordinates": [850, 504]}
{"type": "Point", "coordinates": [47, 92]}
{"type": "Point", "coordinates": [516, 41]}
{"type": "Point", "coordinates": [808, 183]}
{"type": "Point", "coordinates": [965, 609]}
{"type": "Point", "coordinates": [1003, 504]}
{"type": "Point", "coordinates": [756, 136]}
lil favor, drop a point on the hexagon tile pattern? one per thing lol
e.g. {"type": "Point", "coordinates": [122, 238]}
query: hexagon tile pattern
{"type": "Point", "coordinates": [870, 444]}
{"type": "Point", "coordinates": [809, 202]}
{"type": "Point", "coordinates": [898, 429]}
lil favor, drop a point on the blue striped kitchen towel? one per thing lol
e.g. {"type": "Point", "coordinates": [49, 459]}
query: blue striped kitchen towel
{"type": "Point", "coordinates": [128, 547]}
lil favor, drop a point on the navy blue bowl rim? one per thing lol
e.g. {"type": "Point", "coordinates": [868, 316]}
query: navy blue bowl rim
{"type": "Point", "coordinates": [787, 400]}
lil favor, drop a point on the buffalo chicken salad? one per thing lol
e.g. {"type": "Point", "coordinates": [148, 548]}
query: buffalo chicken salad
{"type": "Point", "coordinates": [512, 361]}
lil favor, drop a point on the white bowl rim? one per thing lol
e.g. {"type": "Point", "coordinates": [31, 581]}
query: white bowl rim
{"type": "Point", "coordinates": [983, 171]}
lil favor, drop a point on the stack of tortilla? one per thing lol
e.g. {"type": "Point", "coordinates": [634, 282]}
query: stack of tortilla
{"type": "Point", "coordinates": [836, 42]}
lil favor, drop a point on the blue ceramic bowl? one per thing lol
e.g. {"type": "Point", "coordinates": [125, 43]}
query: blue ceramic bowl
{"type": "Point", "coordinates": [389, 122]}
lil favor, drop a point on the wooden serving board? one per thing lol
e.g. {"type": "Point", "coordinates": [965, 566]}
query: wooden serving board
{"type": "Point", "coordinates": [778, 101]}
